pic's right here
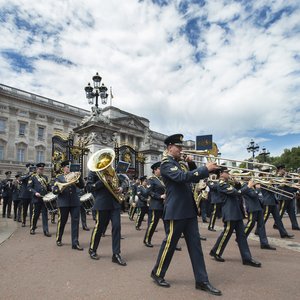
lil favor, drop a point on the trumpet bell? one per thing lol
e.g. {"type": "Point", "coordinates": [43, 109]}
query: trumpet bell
{"type": "Point", "coordinates": [101, 160]}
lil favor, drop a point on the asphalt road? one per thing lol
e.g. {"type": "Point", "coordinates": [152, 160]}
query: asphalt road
{"type": "Point", "coordinates": [33, 267]}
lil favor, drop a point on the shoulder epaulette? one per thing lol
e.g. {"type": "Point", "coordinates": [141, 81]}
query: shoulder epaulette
{"type": "Point", "coordinates": [222, 182]}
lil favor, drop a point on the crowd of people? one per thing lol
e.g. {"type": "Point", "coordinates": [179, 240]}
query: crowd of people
{"type": "Point", "coordinates": [178, 192]}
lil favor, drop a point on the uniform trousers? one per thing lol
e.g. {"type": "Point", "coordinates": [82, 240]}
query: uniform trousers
{"type": "Point", "coordinates": [273, 209]}
{"type": "Point", "coordinates": [63, 214]}
{"type": "Point", "coordinates": [37, 209]}
{"type": "Point", "coordinates": [83, 216]}
{"type": "Point", "coordinates": [154, 216]}
{"type": "Point", "coordinates": [25, 203]}
{"type": "Point", "coordinates": [253, 218]}
{"type": "Point", "coordinates": [241, 239]}
{"type": "Point", "coordinates": [174, 229]}
{"type": "Point", "coordinates": [289, 207]}
{"type": "Point", "coordinates": [7, 202]}
{"type": "Point", "coordinates": [17, 210]}
{"type": "Point", "coordinates": [217, 207]}
{"type": "Point", "coordinates": [141, 214]}
{"type": "Point", "coordinates": [102, 219]}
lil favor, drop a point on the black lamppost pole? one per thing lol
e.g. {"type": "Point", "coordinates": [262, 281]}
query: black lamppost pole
{"type": "Point", "coordinates": [264, 153]}
{"type": "Point", "coordinates": [96, 91]}
{"type": "Point", "coordinates": [252, 147]}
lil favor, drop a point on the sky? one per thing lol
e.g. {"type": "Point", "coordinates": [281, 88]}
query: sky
{"type": "Point", "coordinates": [230, 68]}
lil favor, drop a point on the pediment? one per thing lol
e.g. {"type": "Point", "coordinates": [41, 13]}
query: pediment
{"type": "Point", "coordinates": [130, 122]}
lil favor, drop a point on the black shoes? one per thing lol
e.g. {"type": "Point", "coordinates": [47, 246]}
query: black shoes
{"type": "Point", "coordinates": [116, 258]}
{"type": "Point", "coordinates": [148, 244]}
{"type": "Point", "coordinates": [32, 231]}
{"type": "Point", "coordinates": [211, 229]}
{"type": "Point", "coordinates": [138, 228]}
{"type": "Point", "coordinates": [46, 233]}
{"type": "Point", "coordinates": [251, 262]}
{"type": "Point", "coordinates": [23, 225]}
{"type": "Point", "coordinates": [295, 228]}
{"type": "Point", "coordinates": [85, 228]}
{"type": "Point", "coordinates": [216, 256]}
{"type": "Point", "coordinates": [202, 238]}
{"type": "Point", "coordinates": [77, 247]}
{"type": "Point", "coordinates": [267, 247]}
{"type": "Point", "coordinates": [93, 255]}
{"type": "Point", "coordinates": [275, 226]}
{"type": "Point", "coordinates": [207, 287]}
{"type": "Point", "coordinates": [160, 281]}
{"type": "Point", "coordinates": [59, 243]}
{"type": "Point", "coordinates": [177, 248]}
{"type": "Point", "coordinates": [288, 236]}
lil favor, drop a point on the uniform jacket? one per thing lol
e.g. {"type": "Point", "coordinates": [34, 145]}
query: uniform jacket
{"type": "Point", "coordinates": [69, 197]}
{"type": "Point", "coordinates": [287, 189]}
{"type": "Point", "coordinates": [214, 192]}
{"type": "Point", "coordinates": [156, 189]}
{"type": "Point", "coordinates": [7, 188]}
{"type": "Point", "coordinates": [104, 200]}
{"type": "Point", "coordinates": [38, 184]}
{"type": "Point", "coordinates": [268, 197]}
{"type": "Point", "coordinates": [16, 192]}
{"type": "Point", "coordinates": [24, 191]}
{"type": "Point", "coordinates": [231, 210]}
{"type": "Point", "coordinates": [179, 202]}
{"type": "Point", "coordinates": [143, 194]}
{"type": "Point", "coordinates": [251, 197]}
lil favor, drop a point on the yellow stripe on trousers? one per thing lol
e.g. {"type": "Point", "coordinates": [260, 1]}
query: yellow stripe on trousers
{"type": "Point", "coordinates": [250, 220]}
{"type": "Point", "coordinates": [266, 213]}
{"type": "Point", "coordinates": [282, 207]}
{"type": "Point", "coordinates": [95, 230]}
{"type": "Point", "coordinates": [32, 217]}
{"type": "Point", "coordinates": [58, 224]}
{"type": "Point", "coordinates": [167, 246]}
{"type": "Point", "coordinates": [223, 238]}
{"type": "Point", "coordinates": [150, 227]}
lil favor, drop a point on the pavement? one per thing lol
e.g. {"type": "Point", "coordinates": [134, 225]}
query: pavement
{"type": "Point", "coordinates": [33, 267]}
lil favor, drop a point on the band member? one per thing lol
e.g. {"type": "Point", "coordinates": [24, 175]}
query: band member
{"type": "Point", "coordinates": [216, 202]}
{"type": "Point", "coordinates": [26, 195]}
{"type": "Point", "coordinates": [107, 208]}
{"type": "Point", "coordinates": [287, 204]}
{"type": "Point", "coordinates": [68, 203]}
{"type": "Point", "coordinates": [251, 193]}
{"type": "Point", "coordinates": [16, 198]}
{"type": "Point", "coordinates": [7, 195]}
{"type": "Point", "coordinates": [142, 203]}
{"type": "Point", "coordinates": [270, 207]}
{"type": "Point", "coordinates": [233, 220]}
{"type": "Point", "coordinates": [39, 186]}
{"type": "Point", "coordinates": [134, 198]}
{"type": "Point", "coordinates": [157, 194]}
{"type": "Point", "coordinates": [180, 215]}
{"type": "Point", "coordinates": [201, 198]}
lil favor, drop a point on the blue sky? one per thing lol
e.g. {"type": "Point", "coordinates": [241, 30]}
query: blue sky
{"type": "Point", "coordinates": [221, 67]}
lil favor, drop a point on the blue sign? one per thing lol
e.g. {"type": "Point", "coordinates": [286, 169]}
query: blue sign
{"type": "Point", "coordinates": [204, 142]}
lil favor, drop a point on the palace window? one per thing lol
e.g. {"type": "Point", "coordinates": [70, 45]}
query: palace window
{"type": "Point", "coordinates": [22, 128]}
{"type": "Point", "coordinates": [41, 133]}
{"type": "Point", "coordinates": [1, 152]}
{"type": "Point", "coordinates": [20, 154]}
{"type": "Point", "coordinates": [2, 125]}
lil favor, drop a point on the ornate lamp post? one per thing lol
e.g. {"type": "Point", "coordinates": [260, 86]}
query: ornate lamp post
{"type": "Point", "coordinates": [252, 147]}
{"type": "Point", "coordinates": [264, 153]}
{"type": "Point", "coordinates": [97, 91]}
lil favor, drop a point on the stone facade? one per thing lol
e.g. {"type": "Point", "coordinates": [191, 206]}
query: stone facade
{"type": "Point", "coordinates": [28, 122]}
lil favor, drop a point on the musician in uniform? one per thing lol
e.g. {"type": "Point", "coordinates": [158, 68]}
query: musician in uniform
{"type": "Point", "coordinates": [133, 207]}
{"type": "Point", "coordinates": [157, 195]}
{"type": "Point", "coordinates": [216, 202]}
{"type": "Point", "coordinates": [106, 208]}
{"type": "Point", "coordinates": [7, 195]}
{"type": "Point", "coordinates": [68, 202]}
{"type": "Point", "coordinates": [16, 198]}
{"type": "Point", "coordinates": [142, 203]}
{"type": "Point", "coordinates": [270, 207]}
{"type": "Point", "coordinates": [39, 186]}
{"type": "Point", "coordinates": [251, 193]}
{"type": "Point", "coordinates": [233, 220]}
{"type": "Point", "coordinates": [26, 195]}
{"type": "Point", "coordinates": [180, 215]}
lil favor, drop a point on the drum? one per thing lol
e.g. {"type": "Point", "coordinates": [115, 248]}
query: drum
{"type": "Point", "coordinates": [50, 202]}
{"type": "Point", "coordinates": [87, 201]}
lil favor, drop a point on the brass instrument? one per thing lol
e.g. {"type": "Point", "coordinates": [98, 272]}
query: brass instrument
{"type": "Point", "coordinates": [101, 163]}
{"type": "Point", "coordinates": [71, 178]}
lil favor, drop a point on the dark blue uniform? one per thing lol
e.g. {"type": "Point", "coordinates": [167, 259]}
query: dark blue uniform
{"type": "Point", "coordinates": [68, 202]}
{"type": "Point", "coordinates": [16, 200]}
{"type": "Point", "coordinates": [107, 208]}
{"type": "Point", "coordinates": [7, 197]}
{"type": "Point", "coordinates": [255, 213]}
{"type": "Point", "coordinates": [233, 220]}
{"type": "Point", "coordinates": [180, 216]}
{"type": "Point", "coordinates": [156, 190]}
{"type": "Point", "coordinates": [39, 184]}
{"type": "Point", "coordinates": [216, 202]}
{"type": "Point", "coordinates": [26, 198]}
{"type": "Point", "coordinates": [142, 205]}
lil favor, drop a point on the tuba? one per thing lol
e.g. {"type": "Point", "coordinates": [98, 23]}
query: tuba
{"type": "Point", "coordinates": [71, 178]}
{"type": "Point", "coordinates": [101, 163]}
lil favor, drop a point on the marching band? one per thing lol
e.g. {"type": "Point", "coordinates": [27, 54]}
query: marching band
{"type": "Point", "coordinates": [175, 193]}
